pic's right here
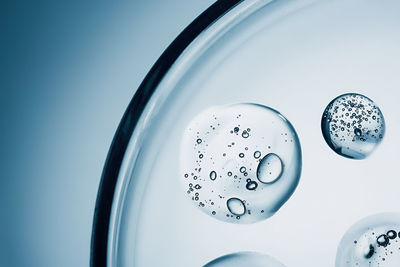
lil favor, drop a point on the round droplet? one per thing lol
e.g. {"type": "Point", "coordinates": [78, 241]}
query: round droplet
{"type": "Point", "coordinates": [241, 259]}
{"type": "Point", "coordinates": [353, 125]}
{"type": "Point", "coordinates": [367, 242]}
{"type": "Point", "coordinates": [236, 206]}
{"type": "Point", "coordinates": [382, 240]}
{"type": "Point", "coordinates": [213, 175]}
{"type": "Point", "coordinates": [257, 154]}
{"type": "Point", "coordinates": [269, 169]}
{"type": "Point", "coordinates": [251, 185]}
{"type": "Point", "coordinates": [258, 127]}
{"type": "Point", "coordinates": [198, 141]}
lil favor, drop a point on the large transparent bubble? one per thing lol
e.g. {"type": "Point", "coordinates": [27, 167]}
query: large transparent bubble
{"type": "Point", "coordinates": [373, 241]}
{"type": "Point", "coordinates": [353, 125]}
{"type": "Point", "coordinates": [241, 259]}
{"type": "Point", "coordinates": [240, 163]}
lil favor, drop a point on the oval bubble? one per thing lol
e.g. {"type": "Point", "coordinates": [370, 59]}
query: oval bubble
{"type": "Point", "coordinates": [269, 169]}
{"type": "Point", "coordinates": [236, 206]}
{"type": "Point", "coordinates": [238, 140]}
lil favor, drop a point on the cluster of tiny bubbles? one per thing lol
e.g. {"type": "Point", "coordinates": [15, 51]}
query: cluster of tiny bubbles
{"type": "Point", "coordinates": [249, 166]}
{"type": "Point", "coordinates": [353, 125]}
{"type": "Point", "coordinates": [373, 241]}
{"type": "Point", "coordinates": [241, 259]}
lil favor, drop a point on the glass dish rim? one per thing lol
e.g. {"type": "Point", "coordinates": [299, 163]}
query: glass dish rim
{"type": "Point", "coordinates": [109, 177]}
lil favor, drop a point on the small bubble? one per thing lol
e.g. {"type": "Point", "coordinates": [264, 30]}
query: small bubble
{"type": "Point", "coordinates": [201, 156]}
{"type": "Point", "coordinates": [213, 175]}
{"type": "Point", "coordinates": [251, 185]}
{"type": "Point", "coordinates": [391, 234]}
{"type": "Point", "coordinates": [242, 169]}
{"type": "Point", "coordinates": [241, 155]}
{"type": "Point", "coordinates": [382, 240]}
{"type": "Point", "coordinates": [198, 141]}
{"type": "Point", "coordinates": [245, 134]}
{"type": "Point", "coordinates": [229, 173]}
{"type": "Point", "coordinates": [257, 154]}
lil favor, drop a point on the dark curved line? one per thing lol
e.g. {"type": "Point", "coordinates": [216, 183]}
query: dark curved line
{"type": "Point", "coordinates": [101, 219]}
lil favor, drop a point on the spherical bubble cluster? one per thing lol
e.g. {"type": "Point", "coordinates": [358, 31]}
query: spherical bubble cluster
{"type": "Point", "coordinates": [353, 125]}
{"type": "Point", "coordinates": [249, 166]}
{"type": "Point", "coordinates": [373, 241]}
{"type": "Point", "coordinates": [241, 259]}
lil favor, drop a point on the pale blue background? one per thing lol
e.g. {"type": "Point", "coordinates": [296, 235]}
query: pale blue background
{"type": "Point", "coordinates": [68, 71]}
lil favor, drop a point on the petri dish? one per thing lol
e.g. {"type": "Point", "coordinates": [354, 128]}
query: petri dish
{"type": "Point", "coordinates": [292, 56]}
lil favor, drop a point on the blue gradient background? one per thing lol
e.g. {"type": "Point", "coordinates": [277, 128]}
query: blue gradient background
{"type": "Point", "coordinates": [68, 71]}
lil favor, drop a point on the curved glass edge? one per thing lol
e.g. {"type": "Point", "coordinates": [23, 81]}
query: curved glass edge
{"type": "Point", "coordinates": [105, 195]}
{"type": "Point", "coordinates": [117, 254]}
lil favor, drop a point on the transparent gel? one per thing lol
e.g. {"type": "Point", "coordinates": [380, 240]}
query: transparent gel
{"type": "Point", "coordinates": [353, 125]}
{"type": "Point", "coordinates": [240, 259]}
{"type": "Point", "coordinates": [373, 241]}
{"type": "Point", "coordinates": [240, 163]}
